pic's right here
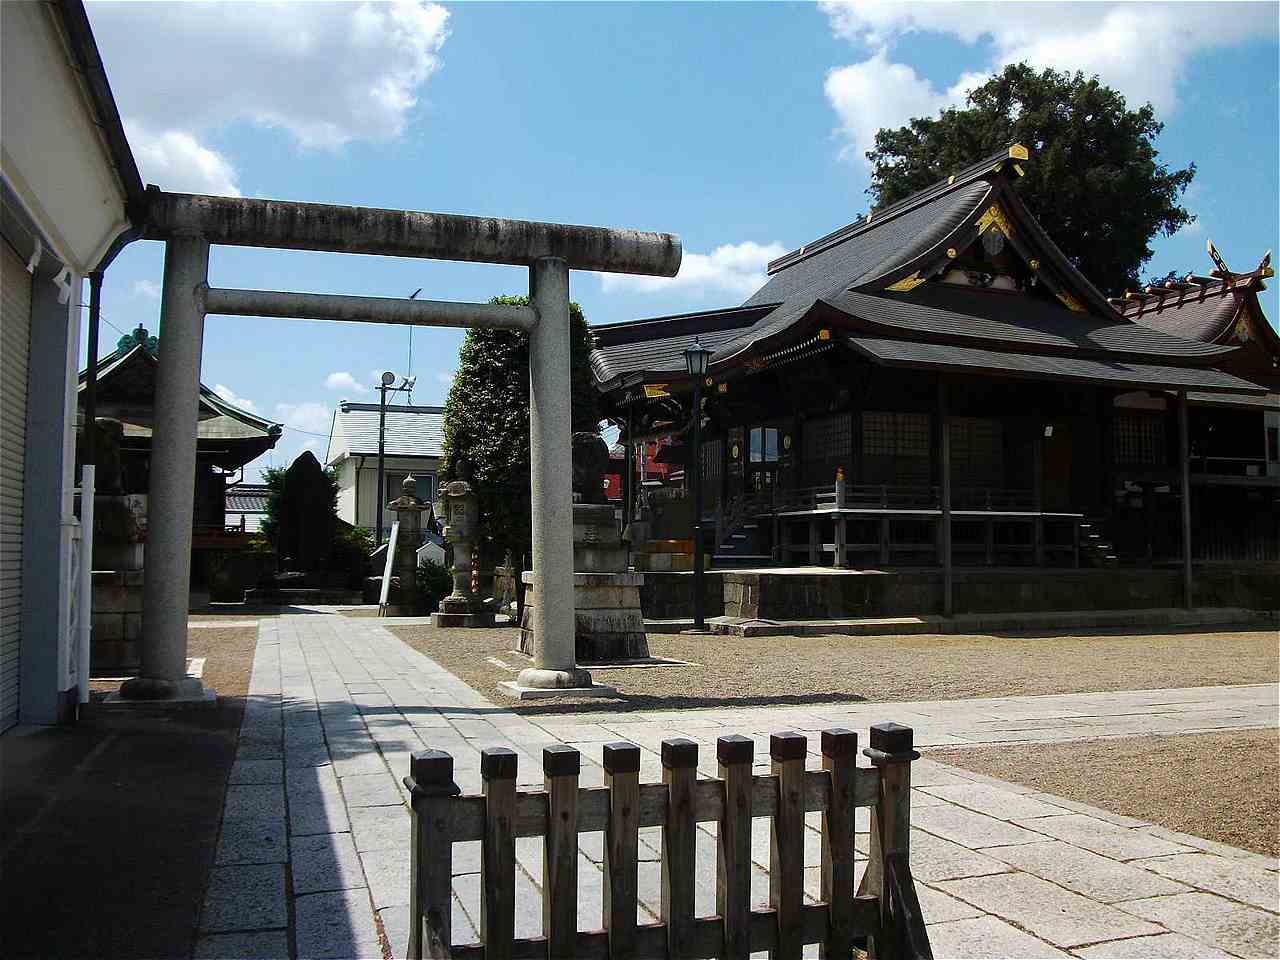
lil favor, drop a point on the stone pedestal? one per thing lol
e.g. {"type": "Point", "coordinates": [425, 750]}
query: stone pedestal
{"type": "Point", "coordinates": [464, 607]}
{"type": "Point", "coordinates": [608, 623]}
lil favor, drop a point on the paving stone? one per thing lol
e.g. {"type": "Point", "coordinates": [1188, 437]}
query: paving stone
{"type": "Point", "coordinates": [1244, 931]}
{"type": "Point", "coordinates": [1063, 918]}
{"type": "Point", "coordinates": [973, 830]}
{"type": "Point", "coordinates": [1163, 946]}
{"type": "Point", "coordinates": [256, 771]}
{"type": "Point", "coordinates": [1107, 839]}
{"type": "Point", "coordinates": [1097, 812]}
{"type": "Point", "coordinates": [938, 907]}
{"type": "Point", "coordinates": [1262, 861]}
{"type": "Point", "coordinates": [1229, 878]}
{"type": "Point", "coordinates": [993, 801]}
{"type": "Point", "coordinates": [323, 862]}
{"type": "Point", "coordinates": [466, 909]}
{"type": "Point", "coordinates": [253, 801]}
{"type": "Point", "coordinates": [380, 828]}
{"type": "Point", "coordinates": [371, 790]}
{"type": "Point", "coordinates": [387, 874]}
{"type": "Point", "coordinates": [338, 924]}
{"type": "Point", "coordinates": [1084, 872]}
{"type": "Point", "coordinates": [262, 945]}
{"type": "Point", "coordinates": [253, 840]}
{"type": "Point", "coordinates": [933, 858]}
{"type": "Point", "coordinates": [984, 937]}
{"type": "Point", "coordinates": [322, 813]}
{"type": "Point", "coordinates": [245, 898]}
{"type": "Point", "coordinates": [310, 755]}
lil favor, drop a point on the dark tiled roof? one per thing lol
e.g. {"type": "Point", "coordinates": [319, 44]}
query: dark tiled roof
{"type": "Point", "coordinates": [1270, 401]}
{"type": "Point", "coordinates": [656, 346]}
{"type": "Point", "coordinates": [247, 498]}
{"type": "Point", "coordinates": [1061, 369]}
{"type": "Point", "coordinates": [1204, 319]}
{"type": "Point", "coordinates": [944, 311]}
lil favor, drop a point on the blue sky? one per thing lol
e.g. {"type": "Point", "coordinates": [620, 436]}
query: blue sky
{"type": "Point", "coordinates": [738, 126]}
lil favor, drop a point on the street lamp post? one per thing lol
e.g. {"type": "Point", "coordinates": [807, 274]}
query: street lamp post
{"type": "Point", "coordinates": [695, 364]}
{"type": "Point", "coordinates": [385, 387]}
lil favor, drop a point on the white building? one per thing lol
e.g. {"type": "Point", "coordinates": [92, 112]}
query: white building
{"type": "Point", "coordinates": [413, 443]}
{"type": "Point", "coordinates": [70, 198]}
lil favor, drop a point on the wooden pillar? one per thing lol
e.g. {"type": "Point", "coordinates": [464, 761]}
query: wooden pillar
{"type": "Point", "coordinates": [947, 606]}
{"type": "Point", "coordinates": [814, 544]}
{"type": "Point", "coordinates": [1184, 462]}
{"type": "Point", "coordinates": [628, 478]}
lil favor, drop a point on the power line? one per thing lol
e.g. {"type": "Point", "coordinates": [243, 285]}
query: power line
{"type": "Point", "coordinates": [103, 318]}
{"type": "Point", "coordinates": [310, 433]}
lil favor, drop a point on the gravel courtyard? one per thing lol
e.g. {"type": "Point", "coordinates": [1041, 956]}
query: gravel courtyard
{"type": "Point", "coordinates": [734, 671]}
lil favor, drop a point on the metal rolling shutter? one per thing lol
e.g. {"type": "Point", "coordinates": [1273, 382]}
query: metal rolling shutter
{"type": "Point", "coordinates": [15, 337]}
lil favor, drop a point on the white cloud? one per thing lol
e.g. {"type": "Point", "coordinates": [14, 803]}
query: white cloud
{"type": "Point", "coordinates": [343, 380]}
{"type": "Point", "coordinates": [229, 395]}
{"type": "Point", "coordinates": [1140, 49]}
{"type": "Point", "coordinates": [324, 73]}
{"type": "Point", "coordinates": [737, 269]}
{"type": "Point", "coordinates": [178, 162]}
{"type": "Point", "coordinates": [147, 288]}
{"type": "Point", "coordinates": [308, 416]}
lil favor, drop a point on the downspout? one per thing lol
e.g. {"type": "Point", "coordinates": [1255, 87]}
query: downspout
{"type": "Point", "coordinates": [88, 468]}
{"type": "Point", "coordinates": [359, 467]}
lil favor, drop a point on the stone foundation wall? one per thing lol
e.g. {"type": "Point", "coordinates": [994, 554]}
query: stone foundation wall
{"type": "Point", "coordinates": [669, 596]}
{"type": "Point", "coordinates": [117, 621]}
{"type": "Point", "coordinates": [772, 596]}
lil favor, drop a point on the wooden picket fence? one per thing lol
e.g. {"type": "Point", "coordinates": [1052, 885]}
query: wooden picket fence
{"type": "Point", "coordinates": [881, 917]}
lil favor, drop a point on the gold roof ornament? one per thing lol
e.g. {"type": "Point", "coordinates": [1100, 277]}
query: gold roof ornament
{"type": "Point", "coordinates": [1070, 302]}
{"type": "Point", "coordinates": [1019, 152]}
{"type": "Point", "coordinates": [951, 253]}
{"type": "Point", "coordinates": [655, 390]}
{"type": "Point", "coordinates": [907, 284]}
{"type": "Point", "coordinates": [1033, 263]}
{"type": "Point", "coordinates": [995, 216]}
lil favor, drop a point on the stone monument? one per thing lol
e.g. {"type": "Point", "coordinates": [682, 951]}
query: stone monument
{"type": "Point", "coordinates": [608, 624]}
{"type": "Point", "coordinates": [460, 508]}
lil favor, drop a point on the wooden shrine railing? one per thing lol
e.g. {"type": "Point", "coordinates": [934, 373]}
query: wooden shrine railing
{"type": "Point", "coordinates": [881, 916]}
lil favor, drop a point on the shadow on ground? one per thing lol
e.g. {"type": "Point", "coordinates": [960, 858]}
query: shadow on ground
{"type": "Point", "coordinates": [108, 830]}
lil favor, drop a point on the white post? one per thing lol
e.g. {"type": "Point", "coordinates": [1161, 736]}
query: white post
{"type": "Point", "coordinates": [84, 605]}
{"type": "Point", "coordinates": [551, 480]}
{"type": "Point", "coordinates": [170, 511]}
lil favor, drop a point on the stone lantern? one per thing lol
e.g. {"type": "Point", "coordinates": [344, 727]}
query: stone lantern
{"type": "Point", "coordinates": [408, 511]}
{"type": "Point", "coordinates": [461, 515]}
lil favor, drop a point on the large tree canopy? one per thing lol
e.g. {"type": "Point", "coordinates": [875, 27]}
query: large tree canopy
{"type": "Point", "coordinates": [1094, 180]}
{"type": "Point", "coordinates": [486, 421]}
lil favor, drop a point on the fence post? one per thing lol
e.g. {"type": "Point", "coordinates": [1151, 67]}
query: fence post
{"type": "Point", "coordinates": [431, 786]}
{"type": "Point", "coordinates": [733, 845]}
{"type": "Point", "coordinates": [840, 760]}
{"type": "Point", "coordinates": [891, 751]}
{"type": "Point", "coordinates": [786, 844]}
{"type": "Point", "coordinates": [621, 840]}
{"type": "Point", "coordinates": [679, 843]}
{"type": "Point", "coordinates": [560, 768]}
{"type": "Point", "coordinates": [498, 852]}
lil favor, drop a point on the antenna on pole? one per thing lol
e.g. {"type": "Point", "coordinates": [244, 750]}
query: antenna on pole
{"type": "Point", "coordinates": [412, 296]}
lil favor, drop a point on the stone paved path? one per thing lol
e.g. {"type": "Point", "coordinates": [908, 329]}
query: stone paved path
{"type": "Point", "coordinates": [313, 858]}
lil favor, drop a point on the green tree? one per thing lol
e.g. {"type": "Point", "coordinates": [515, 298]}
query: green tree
{"type": "Point", "coordinates": [1094, 181]}
{"type": "Point", "coordinates": [486, 421]}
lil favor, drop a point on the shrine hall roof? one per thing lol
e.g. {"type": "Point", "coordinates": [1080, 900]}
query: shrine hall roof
{"type": "Point", "coordinates": [879, 276]}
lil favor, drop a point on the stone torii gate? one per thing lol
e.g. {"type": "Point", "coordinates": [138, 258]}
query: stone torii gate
{"type": "Point", "coordinates": [190, 224]}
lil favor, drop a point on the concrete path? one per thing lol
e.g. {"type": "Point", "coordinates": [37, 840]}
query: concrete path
{"type": "Point", "coordinates": [313, 859]}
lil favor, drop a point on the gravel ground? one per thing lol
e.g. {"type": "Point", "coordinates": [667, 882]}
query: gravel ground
{"type": "Point", "coordinates": [1221, 786]}
{"type": "Point", "coordinates": [730, 671]}
{"type": "Point", "coordinates": [228, 653]}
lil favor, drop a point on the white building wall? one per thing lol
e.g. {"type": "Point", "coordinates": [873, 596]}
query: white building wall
{"type": "Point", "coordinates": [424, 470]}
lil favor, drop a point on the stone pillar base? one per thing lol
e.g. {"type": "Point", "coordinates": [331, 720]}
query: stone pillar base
{"type": "Point", "coordinates": [481, 619]}
{"type": "Point", "coordinates": [608, 622]}
{"type": "Point", "coordinates": [536, 683]}
{"type": "Point", "coordinates": [157, 692]}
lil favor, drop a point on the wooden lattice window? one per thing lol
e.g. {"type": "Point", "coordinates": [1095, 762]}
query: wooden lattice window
{"type": "Point", "coordinates": [1139, 440]}
{"type": "Point", "coordinates": [895, 447]}
{"type": "Point", "coordinates": [826, 444]}
{"type": "Point", "coordinates": [977, 452]}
